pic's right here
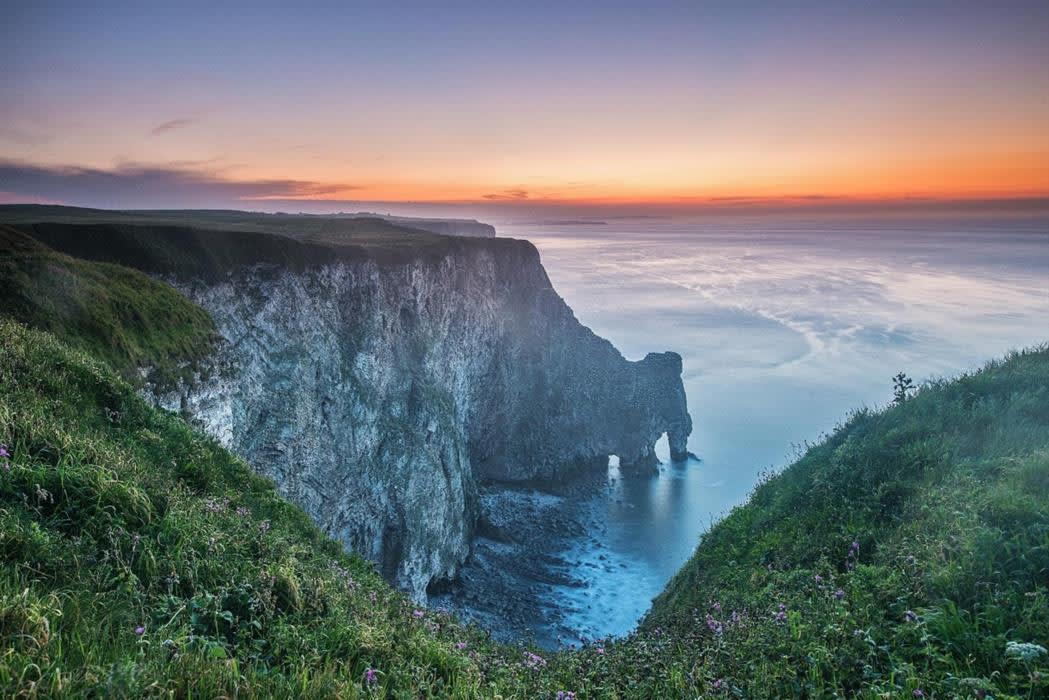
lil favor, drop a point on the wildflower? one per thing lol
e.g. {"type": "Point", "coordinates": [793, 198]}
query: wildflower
{"type": "Point", "coordinates": [4, 454]}
{"type": "Point", "coordinates": [839, 594]}
{"type": "Point", "coordinates": [918, 693]}
{"type": "Point", "coordinates": [718, 684]}
{"type": "Point", "coordinates": [565, 695]}
{"type": "Point", "coordinates": [140, 630]}
{"type": "Point", "coordinates": [782, 606]}
{"type": "Point", "coordinates": [781, 616]}
{"type": "Point", "coordinates": [910, 616]}
{"type": "Point", "coordinates": [461, 646]}
{"type": "Point", "coordinates": [817, 578]}
{"type": "Point", "coordinates": [370, 675]}
{"type": "Point", "coordinates": [264, 526]}
{"type": "Point", "coordinates": [373, 597]}
{"type": "Point", "coordinates": [1024, 651]}
{"type": "Point", "coordinates": [534, 661]}
{"type": "Point", "coordinates": [600, 650]}
{"type": "Point", "coordinates": [911, 559]}
{"type": "Point", "coordinates": [736, 617]}
{"type": "Point", "coordinates": [716, 606]}
{"type": "Point", "coordinates": [417, 614]}
{"type": "Point", "coordinates": [243, 512]}
{"type": "Point", "coordinates": [213, 506]}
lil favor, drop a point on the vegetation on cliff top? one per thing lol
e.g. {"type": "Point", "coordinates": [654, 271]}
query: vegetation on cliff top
{"type": "Point", "coordinates": [209, 244]}
{"type": "Point", "coordinates": [117, 314]}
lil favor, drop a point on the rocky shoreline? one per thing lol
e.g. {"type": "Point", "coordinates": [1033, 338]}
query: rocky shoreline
{"type": "Point", "coordinates": [523, 554]}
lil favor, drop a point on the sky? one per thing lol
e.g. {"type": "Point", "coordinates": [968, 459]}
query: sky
{"type": "Point", "coordinates": [657, 104]}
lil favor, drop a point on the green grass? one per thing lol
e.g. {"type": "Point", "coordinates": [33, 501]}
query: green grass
{"type": "Point", "coordinates": [115, 313]}
{"type": "Point", "coordinates": [114, 516]}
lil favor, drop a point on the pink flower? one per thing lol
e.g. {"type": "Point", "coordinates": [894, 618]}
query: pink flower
{"type": "Point", "coordinates": [600, 650]}
{"type": "Point", "coordinates": [460, 646]}
{"type": "Point", "coordinates": [417, 614]}
{"type": "Point", "coordinates": [534, 661]}
{"type": "Point", "coordinates": [370, 675]}
{"type": "Point", "coordinates": [140, 630]}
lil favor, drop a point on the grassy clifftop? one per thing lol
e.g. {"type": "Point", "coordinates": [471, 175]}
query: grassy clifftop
{"type": "Point", "coordinates": [210, 244]}
{"type": "Point", "coordinates": [117, 314]}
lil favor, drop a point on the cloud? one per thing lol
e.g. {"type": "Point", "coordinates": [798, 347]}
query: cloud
{"type": "Point", "coordinates": [150, 186]}
{"type": "Point", "coordinates": [171, 125]}
{"type": "Point", "coordinates": [514, 194]}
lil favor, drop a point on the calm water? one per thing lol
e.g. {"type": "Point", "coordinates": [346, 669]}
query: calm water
{"type": "Point", "coordinates": [784, 326]}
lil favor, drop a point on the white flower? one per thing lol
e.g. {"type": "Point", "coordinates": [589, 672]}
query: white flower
{"type": "Point", "coordinates": [1025, 651]}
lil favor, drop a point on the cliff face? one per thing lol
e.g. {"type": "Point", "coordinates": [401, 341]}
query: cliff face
{"type": "Point", "coordinates": [378, 392]}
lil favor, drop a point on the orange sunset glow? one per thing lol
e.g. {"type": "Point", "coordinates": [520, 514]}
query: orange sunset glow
{"type": "Point", "coordinates": [699, 107]}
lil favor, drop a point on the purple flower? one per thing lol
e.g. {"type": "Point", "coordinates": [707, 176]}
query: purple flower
{"type": "Point", "coordinates": [370, 676]}
{"type": "Point", "coordinates": [781, 616]}
{"type": "Point", "coordinates": [461, 646]}
{"type": "Point", "coordinates": [839, 594]}
{"type": "Point", "coordinates": [817, 578]}
{"type": "Point", "coordinates": [782, 606]}
{"type": "Point", "coordinates": [600, 650]}
{"type": "Point", "coordinates": [565, 695]}
{"type": "Point", "coordinates": [3, 451]}
{"type": "Point", "coordinates": [140, 630]}
{"type": "Point", "coordinates": [243, 512]}
{"type": "Point", "coordinates": [718, 684]}
{"type": "Point", "coordinates": [910, 616]}
{"type": "Point", "coordinates": [534, 661]}
{"type": "Point", "coordinates": [918, 693]}
{"type": "Point", "coordinates": [417, 614]}
{"type": "Point", "coordinates": [716, 606]}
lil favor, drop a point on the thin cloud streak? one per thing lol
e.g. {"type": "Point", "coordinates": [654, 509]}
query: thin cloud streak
{"type": "Point", "coordinates": [171, 125]}
{"type": "Point", "coordinates": [512, 194]}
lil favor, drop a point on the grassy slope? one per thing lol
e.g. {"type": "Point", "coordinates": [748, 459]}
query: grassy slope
{"type": "Point", "coordinates": [117, 314]}
{"type": "Point", "coordinates": [111, 521]}
{"type": "Point", "coordinates": [947, 497]}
